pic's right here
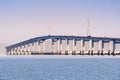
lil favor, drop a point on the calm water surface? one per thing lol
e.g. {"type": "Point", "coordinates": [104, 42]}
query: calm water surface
{"type": "Point", "coordinates": [59, 69]}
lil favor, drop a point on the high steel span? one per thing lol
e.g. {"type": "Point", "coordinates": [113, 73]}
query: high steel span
{"type": "Point", "coordinates": [66, 45]}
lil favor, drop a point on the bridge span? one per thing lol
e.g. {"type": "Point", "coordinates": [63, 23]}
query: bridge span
{"type": "Point", "coordinates": [66, 45]}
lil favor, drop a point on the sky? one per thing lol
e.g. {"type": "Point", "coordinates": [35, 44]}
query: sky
{"type": "Point", "coordinates": [24, 19]}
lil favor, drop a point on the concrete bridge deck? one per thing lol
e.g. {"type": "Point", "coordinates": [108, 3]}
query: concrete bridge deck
{"type": "Point", "coordinates": [66, 45]}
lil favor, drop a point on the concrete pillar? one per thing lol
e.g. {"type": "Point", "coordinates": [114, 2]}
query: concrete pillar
{"type": "Point", "coordinates": [82, 46]}
{"type": "Point", "coordinates": [90, 46]}
{"type": "Point", "coordinates": [43, 47]}
{"type": "Point", "coordinates": [77, 47]}
{"type": "Point", "coordinates": [32, 46]}
{"type": "Point", "coordinates": [7, 51]}
{"type": "Point", "coordinates": [103, 48]}
{"type": "Point", "coordinates": [52, 46]}
{"type": "Point", "coordinates": [18, 53]}
{"type": "Point", "coordinates": [67, 49]}
{"type": "Point", "coordinates": [114, 48]}
{"type": "Point", "coordinates": [16, 50]}
{"type": "Point", "coordinates": [100, 46]}
{"type": "Point", "coordinates": [61, 47]}
{"type": "Point", "coordinates": [81, 42]}
{"type": "Point", "coordinates": [11, 51]}
{"type": "Point", "coordinates": [58, 46]}
{"type": "Point", "coordinates": [38, 46]}
{"type": "Point", "coordinates": [65, 46]}
{"type": "Point", "coordinates": [29, 51]}
{"type": "Point", "coordinates": [20, 49]}
{"type": "Point", "coordinates": [110, 47]}
{"type": "Point", "coordinates": [74, 46]}
{"type": "Point", "coordinates": [24, 49]}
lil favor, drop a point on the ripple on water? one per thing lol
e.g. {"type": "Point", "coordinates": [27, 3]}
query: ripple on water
{"type": "Point", "coordinates": [59, 69]}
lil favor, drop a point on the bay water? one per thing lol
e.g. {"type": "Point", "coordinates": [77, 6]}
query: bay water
{"type": "Point", "coordinates": [59, 68]}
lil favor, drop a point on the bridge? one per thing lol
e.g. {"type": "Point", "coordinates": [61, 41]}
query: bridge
{"type": "Point", "coordinates": [66, 45]}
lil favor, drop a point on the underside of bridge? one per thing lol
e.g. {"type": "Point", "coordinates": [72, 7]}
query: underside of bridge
{"type": "Point", "coordinates": [66, 45]}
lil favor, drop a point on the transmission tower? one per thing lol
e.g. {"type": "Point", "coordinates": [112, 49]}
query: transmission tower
{"type": "Point", "coordinates": [88, 27]}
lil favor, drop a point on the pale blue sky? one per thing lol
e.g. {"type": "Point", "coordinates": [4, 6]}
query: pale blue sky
{"type": "Point", "coordinates": [24, 19]}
